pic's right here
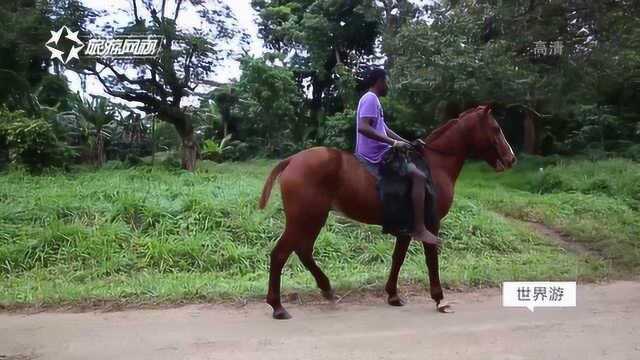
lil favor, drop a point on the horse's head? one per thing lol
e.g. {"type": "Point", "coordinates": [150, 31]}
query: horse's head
{"type": "Point", "coordinates": [486, 140]}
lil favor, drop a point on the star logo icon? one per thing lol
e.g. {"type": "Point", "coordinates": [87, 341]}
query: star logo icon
{"type": "Point", "coordinates": [77, 45]}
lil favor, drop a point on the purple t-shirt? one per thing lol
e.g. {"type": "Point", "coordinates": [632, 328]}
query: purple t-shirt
{"type": "Point", "coordinates": [367, 148]}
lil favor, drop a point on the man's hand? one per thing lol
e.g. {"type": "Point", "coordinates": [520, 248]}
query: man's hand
{"type": "Point", "coordinates": [418, 144]}
{"type": "Point", "coordinates": [401, 145]}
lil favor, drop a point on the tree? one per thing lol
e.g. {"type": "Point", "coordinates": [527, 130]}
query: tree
{"type": "Point", "coordinates": [397, 13]}
{"type": "Point", "coordinates": [315, 37]}
{"type": "Point", "coordinates": [187, 58]}
{"type": "Point", "coordinates": [225, 98]}
{"type": "Point", "coordinates": [96, 114]}
{"type": "Point", "coordinates": [473, 52]}
{"type": "Point", "coordinates": [272, 103]}
{"type": "Point", "coordinates": [24, 61]}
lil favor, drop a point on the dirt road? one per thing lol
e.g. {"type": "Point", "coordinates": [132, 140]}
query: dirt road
{"type": "Point", "coordinates": [604, 325]}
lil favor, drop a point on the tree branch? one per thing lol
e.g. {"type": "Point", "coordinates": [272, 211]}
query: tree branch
{"type": "Point", "coordinates": [135, 11]}
{"type": "Point", "coordinates": [175, 16]}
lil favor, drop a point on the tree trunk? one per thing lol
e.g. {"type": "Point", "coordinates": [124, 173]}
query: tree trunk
{"type": "Point", "coordinates": [153, 137]}
{"type": "Point", "coordinates": [189, 151]}
{"type": "Point", "coordinates": [182, 122]}
{"type": "Point", "coordinates": [316, 100]}
{"type": "Point", "coordinates": [4, 153]}
{"type": "Point", "coordinates": [529, 133]}
{"type": "Point", "coordinates": [99, 156]}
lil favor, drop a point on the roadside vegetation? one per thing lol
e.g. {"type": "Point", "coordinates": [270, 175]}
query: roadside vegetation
{"type": "Point", "coordinates": [158, 234]}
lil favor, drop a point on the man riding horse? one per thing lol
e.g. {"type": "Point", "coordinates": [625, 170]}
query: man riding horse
{"type": "Point", "coordinates": [374, 139]}
{"type": "Point", "coordinates": [319, 180]}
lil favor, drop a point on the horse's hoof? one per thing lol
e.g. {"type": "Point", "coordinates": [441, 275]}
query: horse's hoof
{"type": "Point", "coordinates": [445, 308]}
{"type": "Point", "coordinates": [329, 295]}
{"type": "Point", "coordinates": [281, 314]}
{"type": "Point", "coordinates": [395, 300]}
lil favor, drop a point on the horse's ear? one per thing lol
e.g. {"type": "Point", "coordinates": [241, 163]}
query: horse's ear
{"type": "Point", "coordinates": [486, 111]}
{"type": "Point", "coordinates": [491, 106]}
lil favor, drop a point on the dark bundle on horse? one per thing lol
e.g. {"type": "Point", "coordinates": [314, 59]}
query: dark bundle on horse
{"type": "Point", "coordinates": [395, 191]}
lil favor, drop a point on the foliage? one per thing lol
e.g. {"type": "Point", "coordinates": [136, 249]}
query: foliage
{"type": "Point", "coordinates": [315, 38]}
{"type": "Point", "coordinates": [131, 136]}
{"type": "Point", "coordinates": [271, 105]}
{"type": "Point", "coordinates": [226, 98]}
{"type": "Point", "coordinates": [95, 116]}
{"type": "Point", "coordinates": [595, 203]}
{"type": "Point", "coordinates": [54, 92]}
{"type": "Point", "coordinates": [339, 130]}
{"type": "Point", "coordinates": [31, 141]}
{"type": "Point", "coordinates": [212, 150]}
{"type": "Point", "coordinates": [616, 178]}
{"type": "Point", "coordinates": [188, 57]}
{"type": "Point", "coordinates": [153, 235]}
{"type": "Point", "coordinates": [24, 60]}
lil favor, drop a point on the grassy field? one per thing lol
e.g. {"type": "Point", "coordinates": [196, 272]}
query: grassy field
{"type": "Point", "coordinates": [156, 235]}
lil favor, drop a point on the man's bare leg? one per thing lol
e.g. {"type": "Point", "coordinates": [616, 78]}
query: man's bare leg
{"type": "Point", "coordinates": [420, 232]}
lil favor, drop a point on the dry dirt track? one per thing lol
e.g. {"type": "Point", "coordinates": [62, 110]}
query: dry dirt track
{"type": "Point", "coordinates": [605, 325]}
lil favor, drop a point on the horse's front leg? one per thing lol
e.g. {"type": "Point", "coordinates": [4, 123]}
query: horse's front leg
{"type": "Point", "coordinates": [431, 255]}
{"type": "Point", "coordinates": [399, 253]}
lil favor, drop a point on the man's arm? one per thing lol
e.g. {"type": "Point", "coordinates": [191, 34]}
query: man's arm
{"type": "Point", "coordinates": [395, 136]}
{"type": "Point", "coordinates": [366, 128]}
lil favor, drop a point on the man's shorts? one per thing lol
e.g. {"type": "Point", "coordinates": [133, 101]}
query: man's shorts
{"type": "Point", "coordinates": [374, 169]}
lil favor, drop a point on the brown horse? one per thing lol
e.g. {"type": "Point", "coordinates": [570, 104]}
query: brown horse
{"type": "Point", "coordinates": [317, 180]}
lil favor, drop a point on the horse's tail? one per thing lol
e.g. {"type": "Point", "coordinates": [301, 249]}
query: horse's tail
{"type": "Point", "coordinates": [266, 190]}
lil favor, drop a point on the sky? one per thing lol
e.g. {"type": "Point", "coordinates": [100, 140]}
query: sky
{"type": "Point", "coordinates": [119, 12]}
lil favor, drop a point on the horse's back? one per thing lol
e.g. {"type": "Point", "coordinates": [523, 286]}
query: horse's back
{"type": "Point", "coordinates": [332, 178]}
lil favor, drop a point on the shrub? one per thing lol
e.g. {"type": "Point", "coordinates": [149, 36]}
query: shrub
{"type": "Point", "coordinates": [339, 130]}
{"type": "Point", "coordinates": [633, 153]}
{"type": "Point", "coordinates": [213, 150]}
{"type": "Point", "coordinates": [32, 141]}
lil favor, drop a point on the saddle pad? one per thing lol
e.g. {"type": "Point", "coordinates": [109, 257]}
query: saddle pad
{"type": "Point", "coordinates": [394, 187]}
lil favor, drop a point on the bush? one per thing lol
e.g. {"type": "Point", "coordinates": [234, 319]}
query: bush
{"type": "Point", "coordinates": [632, 152]}
{"type": "Point", "coordinates": [4, 150]}
{"type": "Point", "coordinates": [618, 178]}
{"type": "Point", "coordinates": [32, 142]}
{"type": "Point", "coordinates": [339, 130]}
{"type": "Point", "coordinates": [238, 151]}
{"type": "Point", "coordinates": [214, 150]}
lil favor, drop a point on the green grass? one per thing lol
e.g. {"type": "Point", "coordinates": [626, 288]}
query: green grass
{"type": "Point", "coordinates": [595, 202]}
{"type": "Point", "coordinates": [154, 235]}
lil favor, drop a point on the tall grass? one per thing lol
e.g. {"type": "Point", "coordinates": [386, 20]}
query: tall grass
{"type": "Point", "coordinates": [594, 202]}
{"type": "Point", "coordinates": [151, 234]}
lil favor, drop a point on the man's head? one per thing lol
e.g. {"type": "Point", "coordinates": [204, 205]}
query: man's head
{"type": "Point", "coordinates": [377, 81]}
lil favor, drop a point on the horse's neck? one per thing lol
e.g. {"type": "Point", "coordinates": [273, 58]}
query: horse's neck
{"type": "Point", "coordinates": [451, 155]}
{"type": "Point", "coordinates": [449, 165]}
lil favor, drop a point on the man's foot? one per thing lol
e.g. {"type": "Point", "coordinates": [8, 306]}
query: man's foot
{"type": "Point", "coordinates": [426, 237]}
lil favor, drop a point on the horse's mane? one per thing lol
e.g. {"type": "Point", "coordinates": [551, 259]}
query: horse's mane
{"type": "Point", "coordinates": [439, 131]}
{"type": "Point", "coordinates": [435, 134]}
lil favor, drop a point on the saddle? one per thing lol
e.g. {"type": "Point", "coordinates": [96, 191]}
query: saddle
{"type": "Point", "coordinates": [394, 188]}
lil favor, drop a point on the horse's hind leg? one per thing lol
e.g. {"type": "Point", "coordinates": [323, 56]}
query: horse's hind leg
{"type": "Point", "coordinates": [305, 254]}
{"type": "Point", "coordinates": [299, 235]}
{"type": "Point", "coordinates": [279, 256]}
{"type": "Point", "coordinates": [399, 253]}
